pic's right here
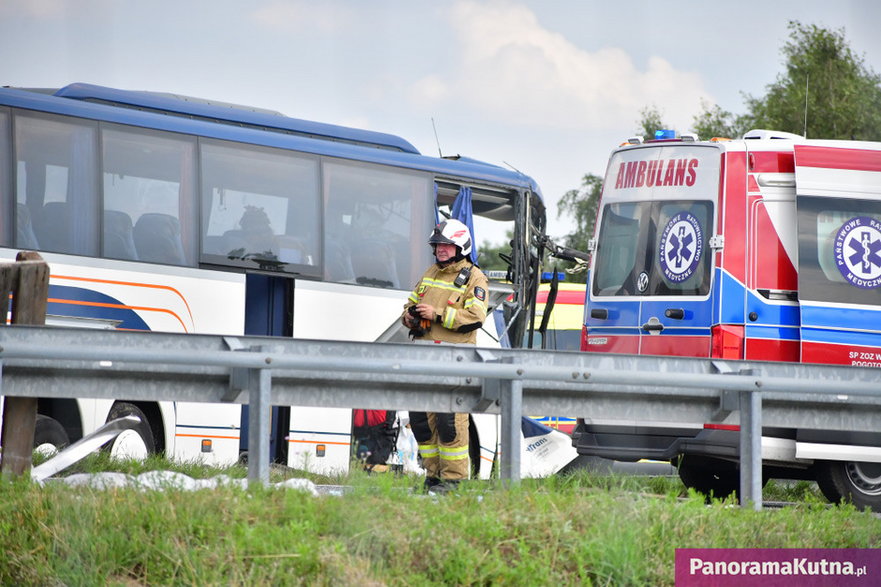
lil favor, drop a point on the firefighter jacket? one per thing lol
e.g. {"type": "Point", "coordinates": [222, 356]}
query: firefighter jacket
{"type": "Point", "coordinates": [461, 309]}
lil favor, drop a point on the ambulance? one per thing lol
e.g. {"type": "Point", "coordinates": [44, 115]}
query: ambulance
{"type": "Point", "coordinates": [558, 327]}
{"type": "Point", "coordinates": [765, 248]}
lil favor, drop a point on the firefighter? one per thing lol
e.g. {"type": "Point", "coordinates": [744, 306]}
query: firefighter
{"type": "Point", "coordinates": [448, 305]}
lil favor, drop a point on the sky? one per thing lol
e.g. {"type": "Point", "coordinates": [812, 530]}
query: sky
{"type": "Point", "coordinates": [548, 87]}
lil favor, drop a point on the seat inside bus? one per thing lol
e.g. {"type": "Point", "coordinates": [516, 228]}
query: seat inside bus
{"type": "Point", "coordinates": [25, 237]}
{"type": "Point", "coordinates": [119, 241]}
{"type": "Point", "coordinates": [52, 226]}
{"type": "Point", "coordinates": [157, 239]}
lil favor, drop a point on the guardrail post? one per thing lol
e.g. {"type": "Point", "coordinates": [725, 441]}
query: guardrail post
{"type": "Point", "coordinates": [259, 414]}
{"type": "Point", "coordinates": [511, 406]}
{"type": "Point", "coordinates": [751, 449]}
{"type": "Point", "coordinates": [27, 281]}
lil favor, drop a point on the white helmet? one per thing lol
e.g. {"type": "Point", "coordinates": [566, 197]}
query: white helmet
{"type": "Point", "coordinates": [452, 232]}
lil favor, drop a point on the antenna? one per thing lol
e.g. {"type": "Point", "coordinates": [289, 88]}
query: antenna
{"type": "Point", "coordinates": [512, 167]}
{"type": "Point", "coordinates": [441, 155]}
{"type": "Point", "coordinates": [807, 80]}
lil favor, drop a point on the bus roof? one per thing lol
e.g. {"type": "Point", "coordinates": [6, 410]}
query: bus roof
{"type": "Point", "coordinates": [175, 114]}
{"type": "Point", "coordinates": [212, 111]}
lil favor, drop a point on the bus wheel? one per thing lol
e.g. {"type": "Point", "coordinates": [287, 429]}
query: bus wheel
{"type": "Point", "coordinates": [49, 436]}
{"type": "Point", "coordinates": [709, 476]}
{"type": "Point", "coordinates": [135, 443]}
{"type": "Point", "coordinates": [853, 482]}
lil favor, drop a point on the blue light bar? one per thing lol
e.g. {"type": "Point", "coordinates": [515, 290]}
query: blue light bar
{"type": "Point", "coordinates": [549, 275]}
{"type": "Point", "coordinates": [665, 134]}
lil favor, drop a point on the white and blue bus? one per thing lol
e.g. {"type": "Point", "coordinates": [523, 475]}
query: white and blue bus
{"type": "Point", "coordinates": [166, 213]}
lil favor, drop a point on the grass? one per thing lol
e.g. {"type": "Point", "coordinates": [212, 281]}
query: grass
{"type": "Point", "coordinates": [581, 529]}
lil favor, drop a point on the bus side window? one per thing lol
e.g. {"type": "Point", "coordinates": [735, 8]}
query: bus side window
{"type": "Point", "coordinates": [372, 211]}
{"type": "Point", "coordinates": [154, 195]}
{"type": "Point", "coordinates": [6, 193]}
{"type": "Point", "coordinates": [259, 206]}
{"type": "Point", "coordinates": [57, 181]}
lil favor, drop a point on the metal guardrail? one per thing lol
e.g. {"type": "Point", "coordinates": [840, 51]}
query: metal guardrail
{"type": "Point", "coordinates": [263, 371]}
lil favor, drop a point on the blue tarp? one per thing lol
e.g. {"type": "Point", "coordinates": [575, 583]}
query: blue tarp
{"type": "Point", "coordinates": [462, 212]}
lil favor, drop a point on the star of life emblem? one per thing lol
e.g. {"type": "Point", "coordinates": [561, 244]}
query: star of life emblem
{"type": "Point", "coordinates": [681, 247]}
{"type": "Point", "coordinates": [858, 251]}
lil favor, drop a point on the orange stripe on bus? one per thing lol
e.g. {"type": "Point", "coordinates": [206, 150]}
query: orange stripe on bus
{"type": "Point", "coordinates": [119, 307]}
{"type": "Point", "coordinates": [206, 436]}
{"type": "Point", "coordinates": [131, 283]}
{"type": "Point", "coordinates": [319, 442]}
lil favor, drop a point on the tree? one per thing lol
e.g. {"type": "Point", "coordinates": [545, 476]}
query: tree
{"type": "Point", "coordinates": [715, 122]}
{"type": "Point", "coordinates": [650, 122]}
{"type": "Point", "coordinates": [490, 258]}
{"type": "Point", "coordinates": [826, 91]}
{"type": "Point", "coordinates": [823, 77]}
{"type": "Point", "coordinates": [581, 204]}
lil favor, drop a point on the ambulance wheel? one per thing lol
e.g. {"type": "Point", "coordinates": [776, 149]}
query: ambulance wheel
{"type": "Point", "coordinates": [712, 477]}
{"type": "Point", "coordinates": [853, 482]}
{"type": "Point", "coordinates": [135, 443]}
{"type": "Point", "coordinates": [49, 436]}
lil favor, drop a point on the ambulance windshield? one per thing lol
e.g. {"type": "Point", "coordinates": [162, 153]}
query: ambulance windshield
{"type": "Point", "coordinates": [654, 248]}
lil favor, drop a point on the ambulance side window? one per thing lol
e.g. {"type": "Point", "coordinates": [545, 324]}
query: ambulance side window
{"type": "Point", "coordinates": [839, 250]}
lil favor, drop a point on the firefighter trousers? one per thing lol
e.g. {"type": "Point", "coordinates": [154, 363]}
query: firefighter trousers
{"type": "Point", "coordinates": [443, 444]}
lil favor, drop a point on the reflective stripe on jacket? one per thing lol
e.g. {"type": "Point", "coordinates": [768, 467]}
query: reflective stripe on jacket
{"type": "Point", "coordinates": [462, 309]}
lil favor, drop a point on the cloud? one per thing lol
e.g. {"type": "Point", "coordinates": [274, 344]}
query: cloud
{"type": "Point", "coordinates": [40, 9]}
{"type": "Point", "coordinates": [430, 89]}
{"type": "Point", "coordinates": [303, 15]}
{"type": "Point", "coordinates": [510, 67]}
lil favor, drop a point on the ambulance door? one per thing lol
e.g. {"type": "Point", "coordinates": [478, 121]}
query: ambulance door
{"type": "Point", "coordinates": [676, 309]}
{"type": "Point", "coordinates": [771, 320]}
{"type": "Point", "coordinates": [649, 289]}
{"type": "Point", "coordinates": [612, 308]}
{"type": "Point", "coordinates": [838, 198]}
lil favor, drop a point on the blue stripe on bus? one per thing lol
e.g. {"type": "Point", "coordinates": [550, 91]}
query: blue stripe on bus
{"type": "Point", "coordinates": [58, 294]}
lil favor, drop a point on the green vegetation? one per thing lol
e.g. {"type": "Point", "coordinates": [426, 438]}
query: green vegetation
{"type": "Point", "coordinates": [580, 529]}
{"type": "Point", "coordinates": [825, 91]}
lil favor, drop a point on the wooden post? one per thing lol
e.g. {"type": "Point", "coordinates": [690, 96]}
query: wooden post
{"type": "Point", "coordinates": [27, 281]}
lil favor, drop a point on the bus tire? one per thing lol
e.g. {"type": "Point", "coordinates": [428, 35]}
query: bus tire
{"type": "Point", "coordinates": [135, 443]}
{"type": "Point", "coordinates": [711, 477]}
{"type": "Point", "coordinates": [853, 482]}
{"type": "Point", "coordinates": [49, 435]}
{"type": "Point", "coordinates": [473, 449]}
